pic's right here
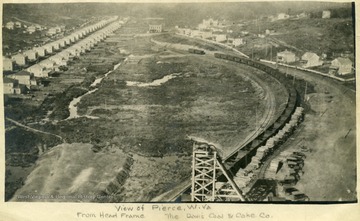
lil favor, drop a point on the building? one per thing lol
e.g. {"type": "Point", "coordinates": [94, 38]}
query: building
{"type": "Point", "coordinates": [19, 59]}
{"type": "Point", "coordinates": [269, 31]}
{"type": "Point", "coordinates": [41, 52]}
{"type": "Point", "coordinates": [155, 28]}
{"type": "Point", "coordinates": [286, 57]}
{"type": "Point", "coordinates": [341, 66]}
{"type": "Point", "coordinates": [220, 37]}
{"type": "Point", "coordinates": [282, 16]}
{"type": "Point", "coordinates": [195, 33]}
{"type": "Point", "coordinates": [62, 43]}
{"type": "Point", "coordinates": [51, 31]}
{"type": "Point", "coordinates": [18, 24]}
{"type": "Point", "coordinates": [206, 34]}
{"type": "Point", "coordinates": [38, 70]}
{"type": "Point", "coordinates": [47, 64]}
{"type": "Point", "coordinates": [65, 55]}
{"type": "Point", "coordinates": [7, 64]}
{"type": "Point", "coordinates": [303, 15]}
{"type": "Point", "coordinates": [31, 29]}
{"type": "Point", "coordinates": [326, 14]}
{"type": "Point", "coordinates": [48, 48]}
{"type": "Point", "coordinates": [238, 41]}
{"type": "Point", "coordinates": [311, 60]}
{"type": "Point", "coordinates": [10, 25]}
{"type": "Point", "coordinates": [67, 40]}
{"type": "Point", "coordinates": [55, 45]}
{"type": "Point", "coordinates": [31, 55]}
{"type": "Point", "coordinates": [58, 60]}
{"type": "Point", "coordinates": [24, 78]}
{"type": "Point", "coordinates": [11, 86]}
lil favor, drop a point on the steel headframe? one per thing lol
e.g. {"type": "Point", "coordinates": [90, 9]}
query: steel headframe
{"type": "Point", "coordinates": [206, 167]}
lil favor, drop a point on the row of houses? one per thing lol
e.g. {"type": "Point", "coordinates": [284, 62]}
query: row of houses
{"type": "Point", "coordinates": [340, 65]}
{"type": "Point", "coordinates": [23, 80]}
{"type": "Point", "coordinates": [28, 56]}
{"type": "Point", "coordinates": [209, 35]}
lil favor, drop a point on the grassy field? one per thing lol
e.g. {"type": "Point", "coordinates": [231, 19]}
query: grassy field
{"type": "Point", "coordinates": [220, 102]}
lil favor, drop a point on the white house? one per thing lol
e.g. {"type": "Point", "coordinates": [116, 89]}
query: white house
{"type": "Point", "coordinates": [31, 29]}
{"type": "Point", "coordinates": [47, 64]}
{"type": "Point", "coordinates": [286, 57]}
{"type": "Point", "coordinates": [55, 45]}
{"type": "Point", "coordinates": [238, 41]}
{"type": "Point", "coordinates": [51, 31]}
{"type": "Point", "coordinates": [74, 51]}
{"type": "Point", "coordinates": [7, 64]}
{"type": "Point", "coordinates": [311, 59]}
{"type": "Point", "coordinates": [24, 77]}
{"type": "Point", "coordinates": [38, 70]}
{"type": "Point", "coordinates": [326, 14]}
{"type": "Point", "coordinates": [282, 16]}
{"type": "Point", "coordinates": [17, 24]}
{"type": "Point", "coordinates": [49, 48]}
{"type": "Point", "coordinates": [10, 25]}
{"type": "Point", "coordinates": [41, 52]}
{"type": "Point", "coordinates": [31, 55]}
{"type": "Point", "coordinates": [19, 59]}
{"type": "Point", "coordinates": [59, 60]}
{"type": "Point", "coordinates": [343, 66]}
{"type": "Point", "coordinates": [38, 27]}
{"type": "Point", "coordinates": [65, 55]}
{"type": "Point", "coordinates": [206, 34]}
{"type": "Point", "coordinates": [11, 86]}
{"type": "Point", "coordinates": [67, 40]}
{"type": "Point", "coordinates": [220, 37]}
{"type": "Point", "coordinates": [62, 43]}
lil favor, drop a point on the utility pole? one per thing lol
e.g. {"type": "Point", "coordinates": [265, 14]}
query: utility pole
{"type": "Point", "coordinates": [305, 91]}
{"type": "Point", "coordinates": [266, 48]}
{"type": "Point", "coordinates": [294, 79]}
{"type": "Point", "coordinates": [252, 51]}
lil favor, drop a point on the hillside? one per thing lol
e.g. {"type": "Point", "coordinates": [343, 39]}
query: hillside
{"type": "Point", "coordinates": [65, 173]}
{"type": "Point", "coordinates": [329, 36]}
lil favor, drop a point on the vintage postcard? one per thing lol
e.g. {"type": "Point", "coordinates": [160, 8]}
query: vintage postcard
{"type": "Point", "coordinates": [193, 110]}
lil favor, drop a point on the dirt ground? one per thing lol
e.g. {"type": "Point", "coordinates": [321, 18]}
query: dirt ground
{"type": "Point", "coordinates": [66, 174]}
{"type": "Point", "coordinates": [329, 132]}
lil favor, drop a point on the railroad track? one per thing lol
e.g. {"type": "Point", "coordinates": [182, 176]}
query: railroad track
{"type": "Point", "coordinates": [233, 160]}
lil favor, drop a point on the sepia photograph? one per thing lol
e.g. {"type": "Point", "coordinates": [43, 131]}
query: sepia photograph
{"type": "Point", "coordinates": [193, 102]}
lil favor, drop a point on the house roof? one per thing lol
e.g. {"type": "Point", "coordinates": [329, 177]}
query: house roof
{"type": "Point", "coordinates": [35, 66]}
{"type": "Point", "coordinates": [286, 52]}
{"type": "Point", "coordinates": [18, 55]}
{"type": "Point", "coordinates": [309, 55]}
{"type": "Point", "coordinates": [343, 61]}
{"type": "Point", "coordinates": [46, 61]}
{"type": "Point", "coordinates": [9, 80]}
{"type": "Point", "coordinates": [22, 73]}
{"type": "Point", "coordinates": [29, 52]}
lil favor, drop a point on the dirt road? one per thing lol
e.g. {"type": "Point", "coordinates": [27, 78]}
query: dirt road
{"type": "Point", "coordinates": [329, 130]}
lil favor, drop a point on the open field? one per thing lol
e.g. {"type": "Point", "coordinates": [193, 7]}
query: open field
{"type": "Point", "coordinates": [66, 174]}
{"type": "Point", "coordinates": [151, 121]}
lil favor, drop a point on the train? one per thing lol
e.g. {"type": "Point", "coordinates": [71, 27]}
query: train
{"type": "Point", "coordinates": [233, 162]}
{"type": "Point", "coordinates": [241, 157]}
{"type": "Point", "coordinates": [196, 51]}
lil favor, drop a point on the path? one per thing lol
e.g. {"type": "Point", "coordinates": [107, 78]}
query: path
{"type": "Point", "coordinates": [33, 129]}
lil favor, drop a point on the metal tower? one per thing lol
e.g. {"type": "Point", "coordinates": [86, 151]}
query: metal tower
{"type": "Point", "coordinates": [206, 167]}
